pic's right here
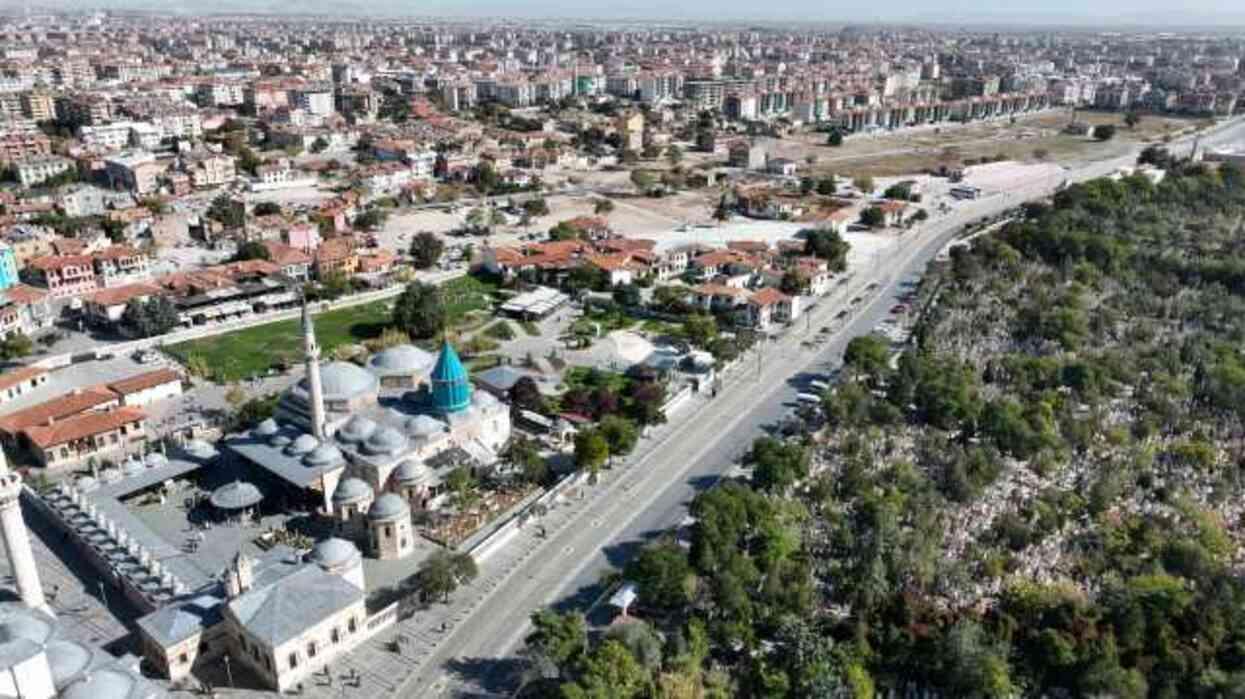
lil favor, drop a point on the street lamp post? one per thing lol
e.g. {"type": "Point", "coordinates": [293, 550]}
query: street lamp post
{"type": "Point", "coordinates": [228, 671]}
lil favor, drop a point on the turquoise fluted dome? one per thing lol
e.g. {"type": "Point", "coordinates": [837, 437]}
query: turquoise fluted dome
{"type": "Point", "coordinates": [451, 389]}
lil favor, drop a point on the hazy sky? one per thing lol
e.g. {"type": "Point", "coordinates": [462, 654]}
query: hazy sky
{"type": "Point", "coordinates": [1161, 13]}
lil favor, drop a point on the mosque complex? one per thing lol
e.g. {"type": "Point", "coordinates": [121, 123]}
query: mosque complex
{"type": "Point", "coordinates": [363, 451]}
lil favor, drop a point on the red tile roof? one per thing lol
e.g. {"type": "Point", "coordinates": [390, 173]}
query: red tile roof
{"type": "Point", "coordinates": [144, 381]}
{"type": "Point", "coordinates": [13, 377]}
{"type": "Point", "coordinates": [119, 295]}
{"type": "Point", "coordinates": [85, 425]}
{"type": "Point", "coordinates": [56, 409]}
{"type": "Point", "coordinates": [768, 297]}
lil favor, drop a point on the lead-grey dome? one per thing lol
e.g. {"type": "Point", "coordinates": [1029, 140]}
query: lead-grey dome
{"type": "Point", "coordinates": [67, 660]}
{"type": "Point", "coordinates": [334, 553]}
{"type": "Point", "coordinates": [356, 429]}
{"type": "Point", "coordinates": [155, 460]}
{"type": "Point", "coordinates": [323, 455]}
{"type": "Point", "coordinates": [407, 472]}
{"type": "Point", "coordinates": [267, 428]}
{"type": "Point", "coordinates": [424, 426]}
{"type": "Point", "coordinates": [388, 506]}
{"type": "Point", "coordinates": [341, 381]}
{"type": "Point", "coordinates": [351, 490]}
{"type": "Point", "coordinates": [387, 440]}
{"type": "Point", "coordinates": [304, 444]}
{"type": "Point", "coordinates": [401, 359]}
{"type": "Point", "coordinates": [104, 684]}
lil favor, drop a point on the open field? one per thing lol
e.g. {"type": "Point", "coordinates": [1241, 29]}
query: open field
{"type": "Point", "coordinates": [893, 154]}
{"type": "Point", "coordinates": [253, 351]}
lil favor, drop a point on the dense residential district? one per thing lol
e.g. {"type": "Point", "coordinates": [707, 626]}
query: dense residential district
{"type": "Point", "coordinates": [587, 360]}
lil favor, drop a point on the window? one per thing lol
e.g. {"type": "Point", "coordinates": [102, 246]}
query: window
{"type": "Point", "coordinates": [183, 659]}
{"type": "Point", "coordinates": [311, 649]}
{"type": "Point", "coordinates": [203, 647]}
{"type": "Point", "coordinates": [335, 635]}
{"type": "Point", "coordinates": [350, 625]}
{"type": "Point", "coordinates": [293, 660]}
{"type": "Point", "coordinates": [267, 663]}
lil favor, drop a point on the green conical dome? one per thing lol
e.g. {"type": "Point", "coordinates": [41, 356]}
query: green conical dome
{"type": "Point", "coordinates": [451, 389]}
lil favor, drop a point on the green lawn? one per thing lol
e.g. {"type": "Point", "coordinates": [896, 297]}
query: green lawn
{"type": "Point", "coordinates": [245, 353]}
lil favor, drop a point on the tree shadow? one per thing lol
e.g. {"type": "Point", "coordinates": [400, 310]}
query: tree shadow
{"type": "Point", "coordinates": [492, 676]}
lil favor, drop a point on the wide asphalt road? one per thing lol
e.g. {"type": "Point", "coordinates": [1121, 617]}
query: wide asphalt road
{"type": "Point", "coordinates": [651, 495]}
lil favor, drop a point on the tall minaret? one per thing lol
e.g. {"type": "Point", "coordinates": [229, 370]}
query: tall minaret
{"type": "Point", "coordinates": [312, 351]}
{"type": "Point", "coordinates": [17, 539]}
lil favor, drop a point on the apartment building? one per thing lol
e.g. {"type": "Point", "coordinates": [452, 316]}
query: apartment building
{"type": "Point", "coordinates": [137, 172]}
{"type": "Point", "coordinates": [62, 276]}
{"type": "Point", "coordinates": [120, 265]}
{"type": "Point", "coordinates": [39, 170]}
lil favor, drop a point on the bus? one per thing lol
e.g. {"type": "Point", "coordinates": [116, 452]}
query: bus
{"type": "Point", "coordinates": [807, 399]}
{"type": "Point", "coordinates": [964, 191]}
{"type": "Point", "coordinates": [819, 386]}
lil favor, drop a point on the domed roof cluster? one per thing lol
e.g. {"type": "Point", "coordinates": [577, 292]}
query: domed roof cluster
{"type": "Point", "coordinates": [401, 359]}
{"type": "Point", "coordinates": [407, 472]}
{"type": "Point", "coordinates": [451, 387]}
{"type": "Point", "coordinates": [386, 440]}
{"type": "Point", "coordinates": [388, 506]}
{"type": "Point", "coordinates": [424, 426]}
{"type": "Point", "coordinates": [339, 381]}
{"type": "Point", "coordinates": [334, 553]}
{"type": "Point", "coordinates": [356, 429]}
{"type": "Point", "coordinates": [351, 490]}
{"type": "Point", "coordinates": [303, 444]}
{"type": "Point", "coordinates": [324, 455]}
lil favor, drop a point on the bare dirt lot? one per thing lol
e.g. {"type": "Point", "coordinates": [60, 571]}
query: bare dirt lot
{"type": "Point", "coordinates": [1037, 137]}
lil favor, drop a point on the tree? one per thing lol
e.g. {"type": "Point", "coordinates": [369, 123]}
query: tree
{"type": "Point", "coordinates": [525, 454]}
{"type": "Point", "coordinates": [899, 190]}
{"type": "Point", "coordinates": [229, 213]}
{"type": "Point", "coordinates": [620, 434]}
{"type": "Point", "coordinates": [1104, 132]}
{"type": "Point", "coordinates": [602, 207]}
{"type": "Point", "coordinates": [700, 329]}
{"type": "Point", "coordinates": [1040, 154]}
{"type": "Point", "coordinates": [525, 394]}
{"type": "Point", "coordinates": [777, 465]}
{"type": "Point", "coordinates": [252, 250]}
{"type": "Point", "coordinates": [836, 138]}
{"type": "Point", "coordinates": [426, 249]}
{"type": "Point", "coordinates": [462, 486]}
{"type": "Point", "coordinates": [1131, 119]}
{"type": "Point", "coordinates": [536, 207]}
{"type": "Point", "coordinates": [319, 145]}
{"type": "Point", "coordinates": [267, 208]}
{"type": "Point", "coordinates": [663, 575]}
{"type": "Point", "coordinates": [591, 450]}
{"type": "Point", "coordinates": [864, 183]}
{"type": "Point", "coordinates": [628, 295]}
{"type": "Point", "coordinates": [826, 186]}
{"type": "Point", "coordinates": [372, 219]}
{"type": "Point", "coordinates": [610, 672]}
{"type": "Point", "coordinates": [674, 155]}
{"type": "Point", "coordinates": [443, 572]}
{"type": "Point", "coordinates": [873, 217]}
{"type": "Point", "coordinates": [419, 311]}
{"type": "Point", "coordinates": [807, 185]}
{"type": "Point", "coordinates": [643, 180]}
{"type": "Point", "coordinates": [828, 245]}
{"type": "Point", "coordinates": [561, 639]}
{"type": "Point", "coordinates": [793, 282]}
{"type": "Point", "coordinates": [867, 354]}
{"type": "Point", "coordinates": [16, 346]}
{"type": "Point", "coordinates": [147, 318]}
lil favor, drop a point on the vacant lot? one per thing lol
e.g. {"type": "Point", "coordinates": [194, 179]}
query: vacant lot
{"type": "Point", "coordinates": [1032, 138]}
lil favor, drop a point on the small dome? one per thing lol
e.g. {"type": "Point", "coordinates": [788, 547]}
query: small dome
{"type": "Point", "coordinates": [267, 428]}
{"type": "Point", "coordinates": [484, 399]}
{"type": "Point", "coordinates": [236, 496]}
{"type": "Point", "coordinates": [387, 440]}
{"type": "Point", "coordinates": [323, 455]}
{"type": "Point", "coordinates": [407, 472]}
{"type": "Point", "coordinates": [200, 449]}
{"type": "Point", "coordinates": [304, 444]}
{"type": "Point", "coordinates": [25, 625]}
{"type": "Point", "coordinates": [341, 381]}
{"type": "Point", "coordinates": [351, 490]}
{"type": "Point", "coordinates": [279, 440]}
{"type": "Point", "coordinates": [424, 426]}
{"type": "Point", "coordinates": [401, 359]}
{"type": "Point", "coordinates": [155, 460]}
{"type": "Point", "coordinates": [104, 684]}
{"type": "Point", "coordinates": [388, 506]}
{"type": "Point", "coordinates": [86, 483]}
{"type": "Point", "coordinates": [356, 429]}
{"type": "Point", "coordinates": [334, 553]}
{"type": "Point", "coordinates": [67, 660]}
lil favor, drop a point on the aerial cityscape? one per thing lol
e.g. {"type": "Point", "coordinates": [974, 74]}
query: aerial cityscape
{"type": "Point", "coordinates": [349, 352]}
